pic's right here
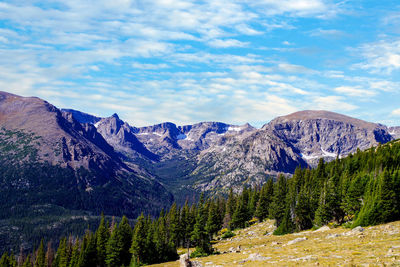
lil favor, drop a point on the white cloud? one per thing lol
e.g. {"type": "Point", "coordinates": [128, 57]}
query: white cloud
{"type": "Point", "coordinates": [298, 8]}
{"type": "Point", "coordinates": [329, 34]}
{"type": "Point", "coordinates": [247, 30]}
{"type": "Point", "coordinates": [144, 66]}
{"type": "Point", "coordinates": [219, 43]}
{"type": "Point", "coordinates": [396, 112]}
{"type": "Point", "coordinates": [383, 56]}
{"type": "Point", "coordinates": [354, 91]}
{"type": "Point", "coordinates": [332, 103]}
{"type": "Point", "coordinates": [291, 68]}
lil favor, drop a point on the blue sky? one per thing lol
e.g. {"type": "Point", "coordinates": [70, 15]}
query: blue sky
{"type": "Point", "coordinates": [190, 61]}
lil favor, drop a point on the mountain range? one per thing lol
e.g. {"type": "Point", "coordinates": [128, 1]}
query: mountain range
{"type": "Point", "coordinates": [83, 162]}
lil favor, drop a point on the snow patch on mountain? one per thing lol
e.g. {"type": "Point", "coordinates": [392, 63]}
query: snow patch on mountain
{"type": "Point", "coordinates": [234, 128]}
{"type": "Point", "coordinates": [328, 154]}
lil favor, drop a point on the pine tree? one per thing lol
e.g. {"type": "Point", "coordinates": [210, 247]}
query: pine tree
{"type": "Point", "coordinates": [5, 261]}
{"type": "Point", "coordinates": [328, 204]}
{"type": "Point", "coordinates": [185, 224]}
{"type": "Point", "coordinates": [278, 205]}
{"type": "Point", "coordinates": [231, 203]}
{"type": "Point", "coordinates": [102, 236]}
{"type": "Point", "coordinates": [62, 254]}
{"type": "Point", "coordinates": [125, 232]}
{"type": "Point", "coordinates": [199, 234]}
{"type": "Point", "coordinates": [286, 226]}
{"type": "Point", "coordinates": [49, 255]}
{"type": "Point", "coordinates": [40, 260]}
{"type": "Point", "coordinates": [114, 248]}
{"type": "Point", "coordinates": [173, 224]}
{"type": "Point", "coordinates": [213, 224]}
{"type": "Point", "coordinates": [88, 252]}
{"type": "Point", "coordinates": [254, 196]}
{"type": "Point", "coordinates": [27, 262]}
{"type": "Point", "coordinates": [139, 241]}
{"type": "Point", "coordinates": [303, 215]}
{"type": "Point", "coordinates": [75, 254]}
{"type": "Point", "coordinates": [389, 211]}
{"type": "Point", "coordinates": [241, 214]}
{"type": "Point", "coordinates": [265, 199]}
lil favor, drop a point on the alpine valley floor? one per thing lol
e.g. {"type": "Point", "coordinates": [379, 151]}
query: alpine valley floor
{"type": "Point", "coordinates": [256, 246]}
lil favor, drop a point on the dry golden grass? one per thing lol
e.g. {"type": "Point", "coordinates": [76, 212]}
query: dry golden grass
{"type": "Point", "coordinates": [376, 246]}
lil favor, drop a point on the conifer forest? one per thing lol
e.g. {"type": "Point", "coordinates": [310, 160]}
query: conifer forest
{"type": "Point", "coordinates": [360, 190]}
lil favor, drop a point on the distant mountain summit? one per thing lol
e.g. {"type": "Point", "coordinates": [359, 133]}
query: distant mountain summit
{"type": "Point", "coordinates": [324, 134]}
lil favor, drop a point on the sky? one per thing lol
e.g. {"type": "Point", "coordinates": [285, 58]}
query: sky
{"type": "Point", "coordinates": [185, 62]}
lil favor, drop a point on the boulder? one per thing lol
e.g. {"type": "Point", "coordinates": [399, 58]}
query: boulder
{"type": "Point", "coordinates": [297, 240]}
{"type": "Point", "coordinates": [323, 229]}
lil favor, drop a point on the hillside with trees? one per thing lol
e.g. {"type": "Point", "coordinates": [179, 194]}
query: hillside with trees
{"type": "Point", "coordinates": [360, 190]}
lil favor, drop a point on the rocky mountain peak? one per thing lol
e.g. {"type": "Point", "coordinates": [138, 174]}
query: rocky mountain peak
{"type": "Point", "coordinates": [121, 136]}
{"type": "Point", "coordinates": [317, 134]}
{"type": "Point", "coordinates": [82, 117]}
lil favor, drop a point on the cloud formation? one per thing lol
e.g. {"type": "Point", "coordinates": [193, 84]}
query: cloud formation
{"type": "Point", "coordinates": [188, 61]}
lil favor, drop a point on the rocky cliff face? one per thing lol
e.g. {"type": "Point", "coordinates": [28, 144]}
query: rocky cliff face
{"type": "Point", "coordinates": [323, 134]}
{"type": "Point", "coordinates": [121, 136]}
{"type": "Point", "coordinates": [395, 132]}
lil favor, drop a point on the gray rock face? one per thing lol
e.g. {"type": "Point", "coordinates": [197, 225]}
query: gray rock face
{"type": "Point", "coordinates": [81, 116]}
{"type": "Point", "coordinates": [122, 137]}
{"type": "Point", "coordinates": [322, 134]}
{"type": "Point", "coordinates": [395, 132]}
{"type": "Point", "coordinates": [253, 157]}
{"type": "Point", "coordinates": [167, 139]}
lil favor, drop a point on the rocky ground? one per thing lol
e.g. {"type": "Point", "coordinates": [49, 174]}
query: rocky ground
{"type": "Point", "coordinates": [256, 246]}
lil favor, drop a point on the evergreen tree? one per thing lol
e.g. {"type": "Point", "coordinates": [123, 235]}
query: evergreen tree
{"type": "Point", "coordinates": [125, 232]}
{"type": "Point", "coordinates": [199, 234]}
{"type": "Point", "coordinates": [231, 203]}
{"type": "Point", "coordinates": [114, 248]}
{"type": "Point", "coordinates": [328, 204]}
{"type": "Point", "coordinates": [265, 199]}
{"type": "Point", "coordinates": [62, 254]}
{"type": "Point", "coordinates": [213, 224]}
{"type": "Point", "coordinates": [303, 215]}
{"type": "Point", "coordinates": [40, 260]}
{"type": "Point", "coordinates": [278, 205]}
{"type": "Point", "coordinates": [254, 196]}
{"type": "Point", "coordinates": [5, 260]}
{"type": "Point", "coordinates": [139, 241]}
{"type": "Point", "coordinates": [286, 226]}
{"type": "Point", "coordinates": [102, 236]}
{"type": "Point", "coordinates": [75, 255]}
{"type": "Point", "coordinates": [27, 262]}
{"type": "Point", "coordinates": [173, 224]}
{"type": "Point", "coordinates": [88, 252]}
{"type": "Point", "coordinates": [49, 255]}
{"type": "Point", "coordinates": [241, 214]}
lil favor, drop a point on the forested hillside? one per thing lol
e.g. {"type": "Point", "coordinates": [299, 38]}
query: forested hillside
{"type": "Point", "coordinates": [362, 189]}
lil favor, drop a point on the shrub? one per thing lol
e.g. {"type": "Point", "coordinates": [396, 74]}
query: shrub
{"type": "Point", "coordinates": [228, 234]}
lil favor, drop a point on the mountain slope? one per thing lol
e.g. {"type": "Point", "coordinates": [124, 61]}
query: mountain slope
{"type": "Point", "coordinates": [46, 156]}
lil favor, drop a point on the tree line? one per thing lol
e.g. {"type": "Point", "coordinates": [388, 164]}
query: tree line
{"type": "Point", "coordinates": [361, 189]}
